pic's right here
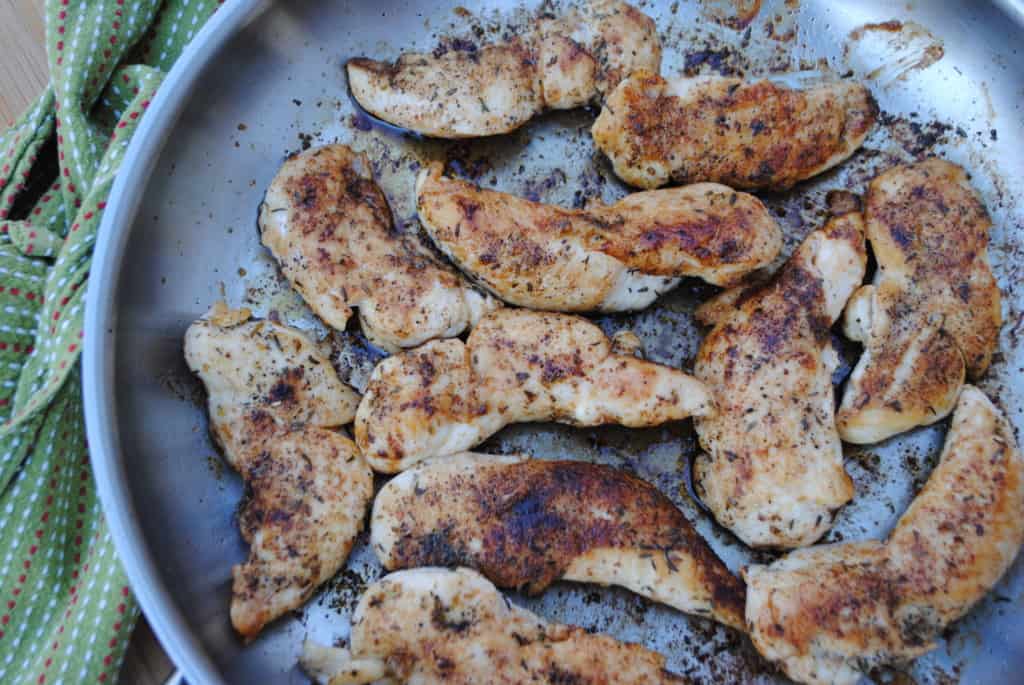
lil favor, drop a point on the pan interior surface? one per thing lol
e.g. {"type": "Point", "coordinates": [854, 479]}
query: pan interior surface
{"type": "Point", "coordinates": [949, 78]}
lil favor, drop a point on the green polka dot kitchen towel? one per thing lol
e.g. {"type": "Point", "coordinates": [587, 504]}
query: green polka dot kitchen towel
{"type": "Point", "coordinates": [66, 611]}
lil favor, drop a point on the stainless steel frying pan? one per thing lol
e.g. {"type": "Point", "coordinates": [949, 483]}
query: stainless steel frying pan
{"type": "Point", "coordinates": [260, 81]}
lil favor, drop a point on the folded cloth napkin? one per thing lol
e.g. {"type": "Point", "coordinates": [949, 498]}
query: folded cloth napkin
{"type": "Point", "coordinates": [66, 611]}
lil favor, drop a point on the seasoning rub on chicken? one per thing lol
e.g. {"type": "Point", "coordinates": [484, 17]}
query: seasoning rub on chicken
{"type": "Point", "coordinates": [517, 365]}
{"type": "Point", "coordinates": [562, 63]}
{"type": "Point", "coordinates": [830, 614]}
{"type": "Point", "coordinates": [330, 228]}
{"type": "Point", "coordinates": [725, 130]}
{"type": "Point", "coordinates": [773, 468]}
{"type": "Point", "coordinates": [273, 400]}
{"type": "Point", "coordinates": [610, 258]}
{"type": "Point", "coordinates": [933, 313]}
{"type": "Point", "coordinates": [525, 523]}
{"type": "Point", "coordinates": [432, 626]}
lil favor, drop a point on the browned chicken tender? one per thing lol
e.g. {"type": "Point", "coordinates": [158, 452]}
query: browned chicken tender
{"type": "Point", "coordinates": [773, 468]}
{"type": "Point", "coordinates": [830, 614]}
{"type": "Point", "coordinates": [527, 522]}
{"type": "Point", "coordinates": [273, 397]}
{"type": "Point", "coordinates": [329, 226]}
{"type": "Point", "coordinates": [561, 63]}
{"type": "Point", "coordinates": [617, 257]}
{"type": "Point", "coordinates": [517, 365]}
{"type": "Point", "coordinates": [725, 130]}
{"type": "Point", "coordinates": [432, 626]}
{"type": "Point", "coordinates": [932, 315]}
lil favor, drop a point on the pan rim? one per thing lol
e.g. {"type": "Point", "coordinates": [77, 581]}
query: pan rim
{"type": "Point", "coordinates": [98, 358]}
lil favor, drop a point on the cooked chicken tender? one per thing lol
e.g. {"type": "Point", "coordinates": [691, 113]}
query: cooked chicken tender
{"type": "Point", "coordinates": [725, 130]}
{"type": "Point", "coordinates": [933, 313]}
{"type": "Point", "coordinates": [610, 258]}
{"type": "Point", "coordinates": [273, 396]}
{"type": "Point", "coordinates": [330, 228]}
{"type": "Point", "coordinates": [773, 468]}
{"type": "Point", "coordinates": [563, 63]}
{"type": "Point", "coordinates": [432, 626]}
{"type": "Point", "coordinates": [527, 522]}
{"type": "Point", "coordinates": [517, 365]}
{"type": "Point", "coordinates": [829, 614]}
{"type": "Point", "coordinates": [263, 366]}
{"type": "Point", "coordinates": [457, 95]}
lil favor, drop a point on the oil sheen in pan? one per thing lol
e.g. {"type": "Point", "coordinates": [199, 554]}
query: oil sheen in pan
{"type": "Point", "coordinates": [552, 159]}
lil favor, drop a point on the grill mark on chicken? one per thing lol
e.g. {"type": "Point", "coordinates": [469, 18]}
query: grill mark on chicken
{"type": "Point", "coordinates": [515, 366]}
{"type": "Point", "coordinates": [932, 316]}
{"type": "Point", "coordinates": [773, 468]}
{"type": "Point", "coordinates": [611, 258]}
{"type": "Point", "coordinates": [563, 63]}
{"type": "Point", "coordinates": [526, 523]}
{"type": "Point", "coordinates": [329, 227]}
{"type": "Point", "coordinates": [437, 627]}
{"type": "Point", "coordinates": [273, 396]}
{"type": "Point", "coordinates": [828, 614]}
{"type": "Point", "coordinates": [723, 130]}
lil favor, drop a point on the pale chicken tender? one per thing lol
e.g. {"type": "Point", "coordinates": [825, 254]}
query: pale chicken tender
{"type": "Point", "coordinates": [273, 399]}
{"type": "Point", "coordinates": [517, 365]}
{"type": "Point", "coordinates": [432, 626]}
{"type": "Point", "coordinates": [562, 63]}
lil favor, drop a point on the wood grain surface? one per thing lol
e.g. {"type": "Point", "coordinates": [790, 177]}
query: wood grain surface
{"type": "Point", "coordinates": [23, 75]}
{"type": "Point", "coordinates": [23, 72]}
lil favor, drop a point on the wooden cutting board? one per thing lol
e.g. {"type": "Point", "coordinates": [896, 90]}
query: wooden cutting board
{"type": "Point", "coordinates": [23, 75]}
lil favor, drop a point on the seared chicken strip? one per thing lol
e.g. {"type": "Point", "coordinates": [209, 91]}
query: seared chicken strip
{"type": "Point", "coordinates": [432, 626]}
{"type": "Point", "coordinates": [273, 396]}
{"type": "Point", "coordinates": [828, 614]}
{"type": "Point", "coordinates": [932, 314]}
{"type": "Point", "coordinates": [517, 365]}
{"type": "Point", "coordinates": [609, 258]}
{"type": "Point", "coordinates": [773, 468]}
{"type": "Point", "coordinates": [528, 522]}
{"type": "Point", "coordinates": [564, 63]}
{"type": "Point", "coordinates": [725, 130]}
{"type": "Point", "coordinates": [266, 367]}
{"type": "Point", "coordinates": [329, 227]}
